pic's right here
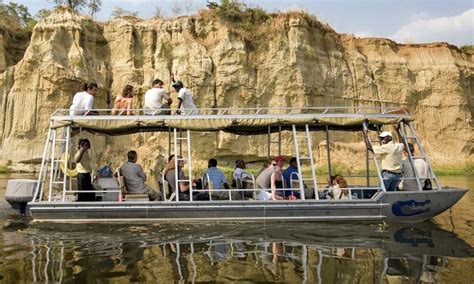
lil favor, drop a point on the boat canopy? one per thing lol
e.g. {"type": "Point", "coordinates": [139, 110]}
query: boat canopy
{"type": "Point", "coordinates": [236, 123]}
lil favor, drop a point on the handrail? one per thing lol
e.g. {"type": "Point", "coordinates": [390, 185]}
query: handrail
{"type": "Point", "coordinates": [386, 111]}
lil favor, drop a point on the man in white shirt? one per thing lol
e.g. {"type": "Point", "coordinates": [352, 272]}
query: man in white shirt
{"type": "Point", "coordinates": [185, 97]}
{"type": "Point", "coordinates": [392, 154]}
{"type": "Point", "coordinates": [421, 167]}
{"type": "Point", "coordinates": [82, 103]}
{"type": "Point", "coordinates": [154, 99]}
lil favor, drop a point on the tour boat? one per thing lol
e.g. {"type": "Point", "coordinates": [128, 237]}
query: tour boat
{"type": "Point", "coordinates": [51, 197]}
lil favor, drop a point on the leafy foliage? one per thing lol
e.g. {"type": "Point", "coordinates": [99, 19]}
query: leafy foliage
{"type": "Point", "coordinates": [78, 5]}
{"type": "Point", "coordinates": [120, 12]}
{"type": "Point", "coordinates": [16, 16]}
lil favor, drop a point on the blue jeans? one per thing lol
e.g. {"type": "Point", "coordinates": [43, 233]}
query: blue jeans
{"type": "Point", "coordinates": [391, 180]}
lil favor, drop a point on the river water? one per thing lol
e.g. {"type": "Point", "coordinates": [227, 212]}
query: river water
{"type": "Point", "coordinates": [439, 251]}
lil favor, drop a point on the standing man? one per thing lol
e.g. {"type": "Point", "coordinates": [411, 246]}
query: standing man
{"type": "Point", "coordinates": [135, 177]}
{"type": "Point", "coordinates": [185, 99]}
{"type": "Point", "coordinates": [392, 154]}
{"type": "Point", "coordinates": [154, 99]}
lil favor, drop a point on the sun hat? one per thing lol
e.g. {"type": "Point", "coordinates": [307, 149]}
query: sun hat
{"type": "Point", "coordinates": [385, 134]}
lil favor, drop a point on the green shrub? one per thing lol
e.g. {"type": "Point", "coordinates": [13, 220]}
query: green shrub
{"type": "Point", "coordinates": [4, 169]}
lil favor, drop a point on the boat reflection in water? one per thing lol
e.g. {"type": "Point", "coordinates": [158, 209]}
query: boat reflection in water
{"type": "Point", "coordinates": [229, 252]}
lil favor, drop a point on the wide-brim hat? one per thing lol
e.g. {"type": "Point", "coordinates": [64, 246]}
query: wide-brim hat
{"type": "Point", "coordinates": [385, 134]}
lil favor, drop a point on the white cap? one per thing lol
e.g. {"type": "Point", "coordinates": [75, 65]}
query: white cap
{"type": "Point", "coordinates": [385, 134]}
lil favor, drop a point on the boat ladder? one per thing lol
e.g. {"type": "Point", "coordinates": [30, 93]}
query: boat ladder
{"type": "Point", "coordinates": [410, 136]}
{"type": "Point", "coordinates": [182, 140]}
{"type": "Point", "coordinates": [303, 141]}
{"type": "Point", "coordinates": [53, 160]}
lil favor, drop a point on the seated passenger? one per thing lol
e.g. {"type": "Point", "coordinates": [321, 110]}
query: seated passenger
{"type": "Point", "coordinates": [271, 178]}
{"type": "Point", "coordinates": [154, 100]}
{"type": "Point", "coordinates": [82, 103]}
{"type": "Point", "coordinates": [124, 103]}
{"type": "Point", "coordinates": [135, 177]}
{"type": "Point", "coordinates": [242, 179]}
{"type": "Point", "coordinates": [291, 174]}
{"type": "Point", "coordinates": [337, 187]}
{"type": "Point", "coordinates": [170, 176]}
{"type": "Point", "coordinates": [421, 168]}
{"type": "Point", "coordinates": [185, 99]}
{"type": "Point", "coordinates": [217, 177]}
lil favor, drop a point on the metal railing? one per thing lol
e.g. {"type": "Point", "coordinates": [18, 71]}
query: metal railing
{"type": "Point", "coordinates": [254, 111]}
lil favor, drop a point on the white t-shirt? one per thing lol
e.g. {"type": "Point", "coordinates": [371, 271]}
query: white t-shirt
{"type": "Point", "coordinates": [187, 107]}
{"type": "Point", "coordinates": [81, 103]}
{"type": "Point", "coordinates": [153, 100]}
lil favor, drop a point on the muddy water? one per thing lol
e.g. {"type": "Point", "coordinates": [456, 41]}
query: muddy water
{"type": "Point", "coordinates": [438, 251]}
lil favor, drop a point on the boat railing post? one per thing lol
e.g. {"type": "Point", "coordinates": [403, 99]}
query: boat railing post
{"type": "Point", "coordinates": [374, 159]}
{"type": "Point", "coordinates": [190, 166]}
{"type": "Point", "coordinates": [209, 189]}
{"type": "Point", "coordinates": [176, 171]}
{"type": "Point", "coordinates": [401, 127]}
{"type": "Point", "coordinates": [66, 159]}
{"type": "Point", "coordinates": [53, 164]}
{"type": "Point", "coordinates": [328, 151]}
{"type": "Point", "coordinates": [423, 153]}
{"type": "Point", "coordinates": [311, 159]}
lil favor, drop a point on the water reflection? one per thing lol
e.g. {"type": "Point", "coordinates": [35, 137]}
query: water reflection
{"type": "Point", "coordinates": [228, 252]}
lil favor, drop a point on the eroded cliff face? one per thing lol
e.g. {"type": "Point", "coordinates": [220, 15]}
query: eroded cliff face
{"type": "Point", "coordinates": [300, 63]}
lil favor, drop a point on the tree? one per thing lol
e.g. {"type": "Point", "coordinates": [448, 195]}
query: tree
{"type": "Point", "coordinates": [94, 6]}
{"type": "Point", "coordinates": [17, 15]}
{"type": "Point", "coordinates": [119, 12]}
{"type": "Point", "coordinates": [43, 13]}
{"type": "Point", "coordinates": [158, 12]}
{"type": "Point", "coordinates": [75, 5]}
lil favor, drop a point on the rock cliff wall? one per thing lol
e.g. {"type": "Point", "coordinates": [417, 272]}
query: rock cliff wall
{"type": "Point", "coordinates": [299, 62]}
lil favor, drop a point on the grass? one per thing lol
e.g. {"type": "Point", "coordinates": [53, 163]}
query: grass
{"type": "Point", "coordinates": [4, 169]}
{"type": "Point", "coordinates": [455, 170]}
{"type": "Point", "coordinates": [469, 48]}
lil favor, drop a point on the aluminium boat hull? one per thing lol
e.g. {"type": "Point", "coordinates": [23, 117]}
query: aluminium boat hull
{"type": "Point", "coordinates": [386, 206]}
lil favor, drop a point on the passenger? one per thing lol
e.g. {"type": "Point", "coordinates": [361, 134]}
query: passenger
{"type": "Point", "coordinates": [171, 178]}
{"type": "Point", "coordinates": [265, 165]}
{"type": "Point", "coordinates": [217, 177]}
{"type": "Point", "coordinates": [240, 175]}
{"type": "Point", "coordinates": [263, 181]}
{"type": "Point", "coordinates": [185, 99]}
{"type": "Point", "coordinates": [154, 100]}
{"type": "Point", "coordinates": [277, 179]}
{"type": "Point", "coordinates": [391, 160]}
{"type": "Point", "coordinates": [271, 178]}
{"type": "Point", "coordinates": [135, 177]}
{"type": "Point", "coordinates": [84, 170]}
{"type": "Point", "coordinates": [421, 168]}
{"type": "Point", "coordinates": [291, 174]}
{"type": "Point", "coordinates": [338, 187]}
{"type": "Point", "coordinates": [82, 103]}
{"type": "Point", "coordinates": [124, 103]}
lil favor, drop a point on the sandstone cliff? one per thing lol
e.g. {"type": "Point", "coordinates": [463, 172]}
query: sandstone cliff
{"type": "Point", "coordinates": [297, 61]}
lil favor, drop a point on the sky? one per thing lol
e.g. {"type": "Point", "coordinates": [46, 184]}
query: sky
{"type": "Point", "coordinates": [405, 21]}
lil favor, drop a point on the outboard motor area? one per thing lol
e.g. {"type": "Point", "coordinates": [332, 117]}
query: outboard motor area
{"type": "Point", "coordinates": [19, 192]}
